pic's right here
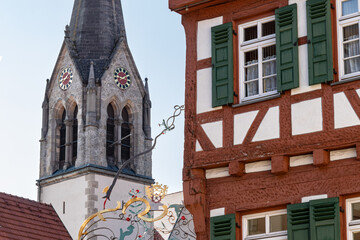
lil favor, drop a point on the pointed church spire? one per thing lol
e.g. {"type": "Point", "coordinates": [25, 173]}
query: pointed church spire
{"type": "Point", "coordinates": [95, 29]}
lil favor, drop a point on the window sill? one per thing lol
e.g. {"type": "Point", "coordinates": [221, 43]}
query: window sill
{"type": "Point", "coordinates": [267, 236]}
{"type": "Point", "coordinates": [346, 80]}
{"type": "Point", "coordinates": [256, 100]}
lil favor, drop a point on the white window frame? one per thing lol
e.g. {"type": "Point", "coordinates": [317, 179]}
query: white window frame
{"type": "Point", "coordinates": [344, 21]}
{"type": "Point", "coordinates": [351, 226]}
{"type": "Point", "coordinates": [281, 235]}
{"type": "Point", "coordinates": [245, 46]}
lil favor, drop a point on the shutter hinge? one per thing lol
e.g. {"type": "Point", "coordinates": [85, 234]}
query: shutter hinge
{"type": "Point", "coordinates": [308, 41]}
{"type": "Point", "coordinates": [334, 71]}
{"type": "Point", "coordinates": [235, 95]}
{"type": "Point", "coordinates": [332, 6]}
{"type": "Point", "coordinates": [212, 65]}
{"type": "Point", "coordinates": [341, 209]}
{"type": "Point", "coordinates": [238, 225]}
{"type": "Point", "coordinates": [295, 43]}
{"type": "Point", "coordinates": [234, 32]}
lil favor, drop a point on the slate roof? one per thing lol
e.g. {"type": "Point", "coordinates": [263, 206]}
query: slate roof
{"type": "Point", "coordinates": [24, 219]}
{"type": "Point", "coordinates": [96, 27]}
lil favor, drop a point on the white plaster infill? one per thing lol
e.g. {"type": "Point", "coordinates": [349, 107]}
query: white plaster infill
{"type": "Point", "coordinates": [306, 117]}
{"type": "Point", "coordinates": [314, 197]}
{"type": "Point", "coordinates": [242, 124]}
{"type": "Point", "coordinates": [302, 51]}
{"type": "Point", "coordinates": [301, 160]}
{"type": "Point", "coordinates": [204, 36]}
{"type": "Point", "coordinates": [259, 166]}
{"type": "Point", "coordinates": [198, 147]}
{"type": "Point", "coordinates": [204, 91]}
{"type": "Point", "coordinates": [269, 128]}
{"type": "Point", "coordinates": [343, 154]}
{"type": "Point", "coordinates": [303, 73]}
{"type": "Point", "coordinates": [217, 172]}
{"type": "Point", "coordinates": [358, 92]}
{"type": "Point", "coordinates": [344, 114]}
{"type": "Point", "coordinates": [214, 131]}
{"type": "Point", "coordinates": [217, 212]}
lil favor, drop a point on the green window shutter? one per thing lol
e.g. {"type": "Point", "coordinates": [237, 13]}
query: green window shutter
{"type": "Point", "coordinates": [286, 48]}
{"type": "Point", "coordinates": [298, 221]}
{"type": "Point", "coordinates": [325, 219]}
{"type": "Point", "coordinates": [223, 227]}
{"type": "Point", "coordinates": [320, 41]}
{"type": "Point", "coordinates": [222, 63]}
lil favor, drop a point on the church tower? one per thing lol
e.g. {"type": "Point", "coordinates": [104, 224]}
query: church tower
{"type": "Point", "coordinates": [96, 115]}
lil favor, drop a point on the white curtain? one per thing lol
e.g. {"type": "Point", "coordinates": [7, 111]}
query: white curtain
{"type": "Point", "coordinates": [269, 68]}
{"type": "Point", "coordinates": [252, 73]}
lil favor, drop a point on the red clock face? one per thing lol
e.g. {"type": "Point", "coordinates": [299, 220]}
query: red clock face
{"type": "Point", "coordinates": [122, 78]}
{"type": "Point", "coordinates": [65, 79]}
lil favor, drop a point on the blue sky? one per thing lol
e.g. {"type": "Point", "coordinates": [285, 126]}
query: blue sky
{"type": "Point", "coordinates": [31, 34]}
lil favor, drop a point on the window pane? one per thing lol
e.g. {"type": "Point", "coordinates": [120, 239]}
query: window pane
{"type": "Point", "coordinates": [349, 6]}
{"type": "Point", "coordinates": [269, 68]}
{"type": "Point", "coordinates": [268, 28]}
{"type": "Point", "coordinates": [278, 223]}
{"type": "Point", "coordinates": [355, 211]}
{"type": "Point", "coordinates": [251, 57]}
{"type": "Point", "coordinates": [269, 59]}
{"type": "Point", "coordinates": [356, 236]}
{"type": "Point", "coordinates": [251, 88]}
{"type": "Point", "coordinates": [256, 226]}
{"type": "Point", "coordinates": [269, 84]}
{"type": "Point", "coordinates": [352, 65]}
{"type": "Point", "coordinates": [351, 49]}
{"type": "Point", "coordinates": [269, 52]}
{"type": "Point", "coordinates": [351, 32]}
{"type": "Point", "coordinates": [251, 66]}
{"type": "Point", "coordinates": [250, 33]}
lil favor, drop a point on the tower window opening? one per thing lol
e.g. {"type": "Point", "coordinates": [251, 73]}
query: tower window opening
{"type": "Point", "coordinates": [74, 136]}
{"type": "Point", "coordinates": [62, 140]}
{"type": "Point", "coordinates": [110, 133]}
{"type": "Point", "coordinates": [125, 131]}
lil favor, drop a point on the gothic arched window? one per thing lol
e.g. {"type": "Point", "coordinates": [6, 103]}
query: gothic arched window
{"type": "Point", "coordinates": [125, 132]}
{"type": "Point", "coordinates": [62, 144]}
{"type": "Point", "coordinates": [110, 134]}
{"type": "Point", "coordinates": [74, 136]}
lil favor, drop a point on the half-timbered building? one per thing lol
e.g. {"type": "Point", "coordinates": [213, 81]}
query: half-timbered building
{"type": "Point", "coordinates": [272, 118]}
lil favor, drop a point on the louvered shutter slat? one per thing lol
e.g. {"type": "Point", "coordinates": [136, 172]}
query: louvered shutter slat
{"type": "Point", "coordinates": [320, 42]}
{"type": "Point", "coordinates": [286, 48]}
{"type": "Point", "coordinates": [222, 62]}
{"type": "Point", "coordinates": [223, 227]}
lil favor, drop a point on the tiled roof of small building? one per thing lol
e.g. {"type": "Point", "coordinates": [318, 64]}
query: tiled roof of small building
{"type": "Point", "coordinates": [24, 219]}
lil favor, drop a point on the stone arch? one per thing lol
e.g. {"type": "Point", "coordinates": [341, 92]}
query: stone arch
{"type": "Point", "coordinates": [71, 105]}
{"type": "Point", "coordinates": [130, 107]}
{"type": "Point", "coordinates": [58, 109]}
{"type": "Point", "coordinates": [115, 103]}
